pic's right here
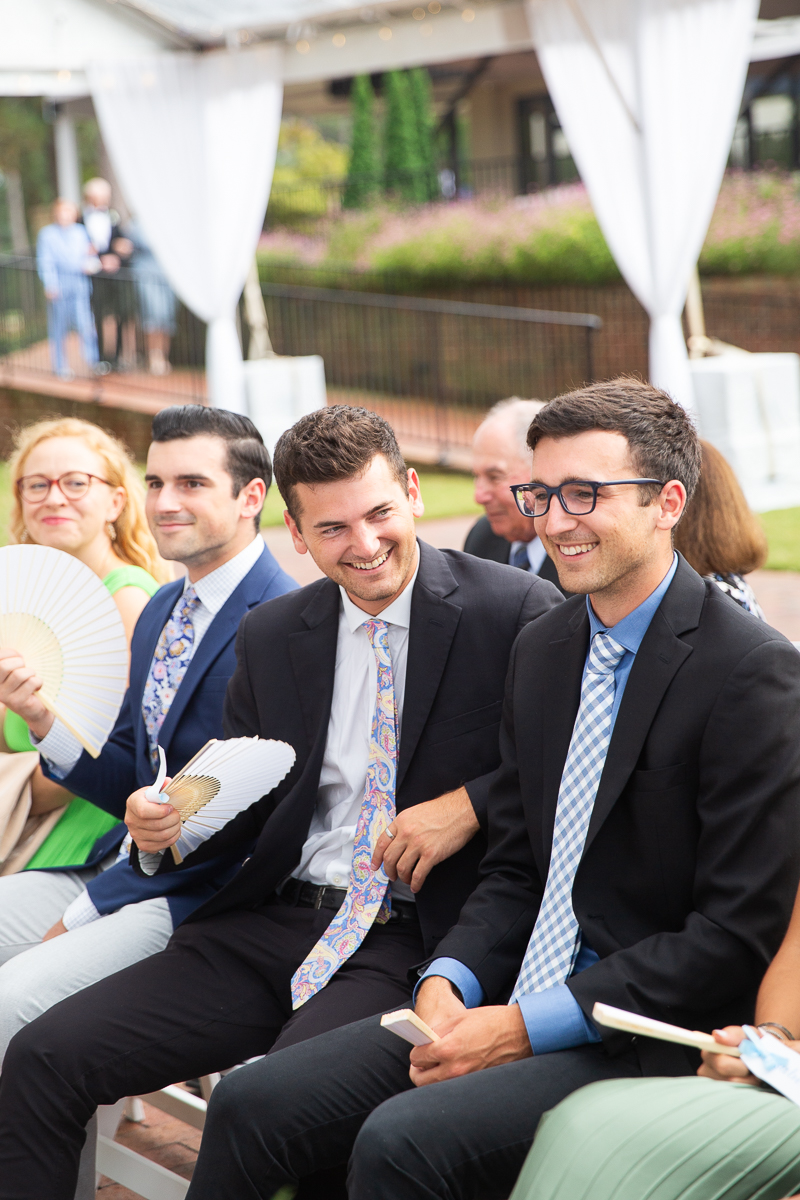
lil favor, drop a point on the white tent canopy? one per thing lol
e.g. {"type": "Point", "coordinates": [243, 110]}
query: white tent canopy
{"type": "Point", "coordinates": [64, 48]}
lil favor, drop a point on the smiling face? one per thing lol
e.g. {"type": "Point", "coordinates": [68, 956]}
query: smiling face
{"type": "Point", "coordinates": [195, 518]}
{"type": "Point", "coordinates": [495, 466]}
{"type": "Point", "coordinates": [70, 525]}
{"type": "Point", "coordinates": [619, 553]}
{"type": "Point", "coordinates": [360, 532]}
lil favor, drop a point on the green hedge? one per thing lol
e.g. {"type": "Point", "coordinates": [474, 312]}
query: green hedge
{"type": "Point", "coordinates": [548, 239]}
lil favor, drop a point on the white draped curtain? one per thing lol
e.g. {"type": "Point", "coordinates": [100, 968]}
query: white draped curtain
{"type": "Point", "coordinates": [648, 93]}
{"type": "Point", "coordinates": [192, 139]}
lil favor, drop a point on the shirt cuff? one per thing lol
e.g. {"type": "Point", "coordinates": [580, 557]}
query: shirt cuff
{"type": "Point", "coordinates": [150, 860]}
{"type": "Point", "coordinates": [450, 968]}
{"type": "Point", "coordinates": [61, 748]}
{"type": "Point", "coordinates": [555, 1021]}
{"type": "Point", "coordinates": [80, 912]}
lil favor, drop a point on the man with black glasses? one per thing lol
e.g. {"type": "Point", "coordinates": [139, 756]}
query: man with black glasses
{"type": "Point", "coordinates": [643, 850]}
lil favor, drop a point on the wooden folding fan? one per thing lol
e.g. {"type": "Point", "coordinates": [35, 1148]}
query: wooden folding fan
{"type": "Point", "coordinates": [56, 612]}
{"type": "Point", "coordinates": [221, 780]}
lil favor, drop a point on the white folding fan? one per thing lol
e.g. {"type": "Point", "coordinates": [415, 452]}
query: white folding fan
{"type": "Point", "coordinates": [56, 612]}
{"type": "Point", "coordinates": [221, 780]}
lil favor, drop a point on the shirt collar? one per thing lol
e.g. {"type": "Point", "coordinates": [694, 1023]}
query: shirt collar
{"type": "Point", "coordinates": [398, 612]}
{"type": "Point", "coordinates": [630, 631]}
{"type": "Point", "coordinates": [215, 588]}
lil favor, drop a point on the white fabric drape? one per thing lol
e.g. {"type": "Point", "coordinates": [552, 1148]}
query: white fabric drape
{"type": "Point", "coordinates": [648, 92]}
{"type": "Point", "coordinates": [193, 140]}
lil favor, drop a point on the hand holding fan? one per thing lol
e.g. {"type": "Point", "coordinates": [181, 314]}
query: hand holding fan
{"type": "Point", "coordinates": [62, 620]}
{"type": "Point", "coordinates": [222, 779]}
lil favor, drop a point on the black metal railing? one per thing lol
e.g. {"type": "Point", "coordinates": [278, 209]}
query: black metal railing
{"type": "Point", "coordinates": [432, 367]}
{"type": "Point", "coordinates": [126, 331]}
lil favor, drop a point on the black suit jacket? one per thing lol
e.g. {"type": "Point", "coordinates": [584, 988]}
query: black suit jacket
{"type": "Point", "coordinates": [484, 543]}
{"type": "Point", "coordinates": [465, 616]}
{"type": "Point", "coordinates": [692, 856]}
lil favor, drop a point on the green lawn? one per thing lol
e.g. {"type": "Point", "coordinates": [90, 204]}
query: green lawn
{"type": "Point", "coordinates": [783, 533]}
{"type": "Point", "coordinates": [445, 495]}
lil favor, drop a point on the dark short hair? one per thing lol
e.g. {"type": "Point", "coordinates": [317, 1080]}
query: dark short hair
{"type": "Point", "coordinates": [661, 435]}
{"type": "Point", "coordinates": [338, 442]}
{"type": "Point", "coordinates": [720, 532]}
{"type": "Point", "coordinates": [248, 457]}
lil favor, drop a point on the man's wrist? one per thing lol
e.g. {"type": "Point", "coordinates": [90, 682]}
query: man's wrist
{"type": "Point", "coordinates": [42, 726]}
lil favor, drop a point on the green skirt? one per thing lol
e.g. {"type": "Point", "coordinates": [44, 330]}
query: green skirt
{"type": "Point", "coordinates": [665, 1139]}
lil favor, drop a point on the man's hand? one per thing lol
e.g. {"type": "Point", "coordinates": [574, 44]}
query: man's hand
{"type": "Point", "coordinates": [19, 687]}
{"type": "Point", "coordinates": [51, 293]}
{"type": "Point", "coordinates": [425, 835]}
{"type": "Point", "coordinates": [152, 826]}
{"type": "Point", "coordinates": [482, 1037]}
{"type": "Point", "coordinates": [110, 263]}
{"type": "Point", "coordinates": [55, 931]}
{"type": "Point", "coordinates": [438, 1005]}
{"type": "Point", "coordinates": [725, 1066]}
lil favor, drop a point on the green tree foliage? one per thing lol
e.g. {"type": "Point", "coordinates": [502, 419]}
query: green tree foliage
{"type": "Point", "coordinates": [306, 162]}
{"type": "Point", "coordinates": [402, 164]}
{"type": "Point", "coordinates": [364, 171]}
{"type": "Point", "coordinates": [422, 96]}
{"type": "Point", "coordinates": [26, 146]}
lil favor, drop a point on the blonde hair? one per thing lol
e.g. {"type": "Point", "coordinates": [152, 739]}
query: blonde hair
{"type": "Point", "coordinates": [134, 543]}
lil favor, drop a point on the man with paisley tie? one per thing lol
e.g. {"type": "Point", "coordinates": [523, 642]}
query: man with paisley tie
{"type": "Point", "coordinates": [643, 851]}
{"type": "Point", "coordinates": [387, 678]}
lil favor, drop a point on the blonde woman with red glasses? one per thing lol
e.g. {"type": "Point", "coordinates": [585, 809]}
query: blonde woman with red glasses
{"type": "Point", "coordinates": [75, 489]}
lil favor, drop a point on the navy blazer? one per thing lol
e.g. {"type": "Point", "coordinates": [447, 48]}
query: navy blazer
{"type": "Point", "coordinates": [194, 718]}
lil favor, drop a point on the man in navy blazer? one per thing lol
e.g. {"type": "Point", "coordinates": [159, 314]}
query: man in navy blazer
{"type": "Point", "coordinates": [207, 476]}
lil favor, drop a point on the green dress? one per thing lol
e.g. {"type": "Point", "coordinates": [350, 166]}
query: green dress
{"type": "Point", "coordinates": [82, 823]}
{"type": "Point", "coordinates": [665, 1139]}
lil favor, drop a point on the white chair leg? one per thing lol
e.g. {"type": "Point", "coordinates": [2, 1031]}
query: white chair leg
{"type": "Point", "coordinates": [207, 1085]}
{"type": "Point", "coordinates": [134, 1110]}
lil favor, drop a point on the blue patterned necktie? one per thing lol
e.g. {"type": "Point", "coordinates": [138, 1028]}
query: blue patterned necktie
{"type": "Point", "coordinates": [366, 897]}
{"type": "Point", "coordinates": [170, 662]}
{"type": "Point", "coordinates": [520, 558]}
{"type": "Point", "coordinates": [553, 945]}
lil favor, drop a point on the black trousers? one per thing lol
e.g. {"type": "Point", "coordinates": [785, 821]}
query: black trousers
{"type": "Point", "coordinates": [218, 994]}
{"type": "Point", "coordinates": [347, 1094]}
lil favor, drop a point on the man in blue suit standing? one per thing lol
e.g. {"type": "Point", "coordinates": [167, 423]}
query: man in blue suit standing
{"type": "Point", "coordinates": [207, 477]}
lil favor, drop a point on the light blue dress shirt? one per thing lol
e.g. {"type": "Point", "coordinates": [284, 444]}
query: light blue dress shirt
{"type": "Point", "coordinates": [553, 1018]}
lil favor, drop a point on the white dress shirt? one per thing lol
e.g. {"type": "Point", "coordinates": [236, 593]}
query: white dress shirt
{"type": "Point", "coordinates": [536, 553]}
{"type": "Point", "coordinates": [213, 590]}
{"type": "Point", "coordinates": [98, 224]}
{"type": "Point", "coordinates": [328, 851]}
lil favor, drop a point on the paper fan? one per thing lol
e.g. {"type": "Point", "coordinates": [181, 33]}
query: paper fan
{"type": "Point", "coordinates": [221, 780]}
{"type": "Point", "coordinates": [62, 620]}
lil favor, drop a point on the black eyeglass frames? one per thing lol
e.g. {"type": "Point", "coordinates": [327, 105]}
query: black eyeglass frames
{"type": "Point", "coordinates": [577, 497]}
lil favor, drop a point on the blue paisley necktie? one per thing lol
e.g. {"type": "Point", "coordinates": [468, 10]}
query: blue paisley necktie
{"type": "Point", "coordinates": [170, 662]}
{"type": "Point", "coordinates": [366, 897]}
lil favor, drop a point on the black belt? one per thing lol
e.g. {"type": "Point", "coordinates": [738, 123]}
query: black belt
{"type": "Point", "coordinates": [300, 894]}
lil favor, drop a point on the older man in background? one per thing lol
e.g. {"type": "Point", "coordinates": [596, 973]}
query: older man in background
{"type": "Point", "coordinates": [500, 458]}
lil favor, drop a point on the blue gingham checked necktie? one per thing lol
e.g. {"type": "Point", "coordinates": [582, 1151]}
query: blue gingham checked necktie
{"type": "Point", "coordinates": [553, 946]}
{"type": "Point", "coordinates": [170, 662]}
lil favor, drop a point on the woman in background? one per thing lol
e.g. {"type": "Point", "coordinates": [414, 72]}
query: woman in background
{"type": "Point", "coordinates": [75, 489]}
{"type": "Point", "coordinates": [719, 535]}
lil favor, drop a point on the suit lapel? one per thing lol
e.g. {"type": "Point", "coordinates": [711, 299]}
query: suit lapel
{"type": "Point", "coordinates": [659, 658]}
{"type": "Point", "coordinates": [434, 621]}
{"type": "Point", "coordinates": [219, 633]}
{"type": "Point", "coordinates": [313, 655]}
